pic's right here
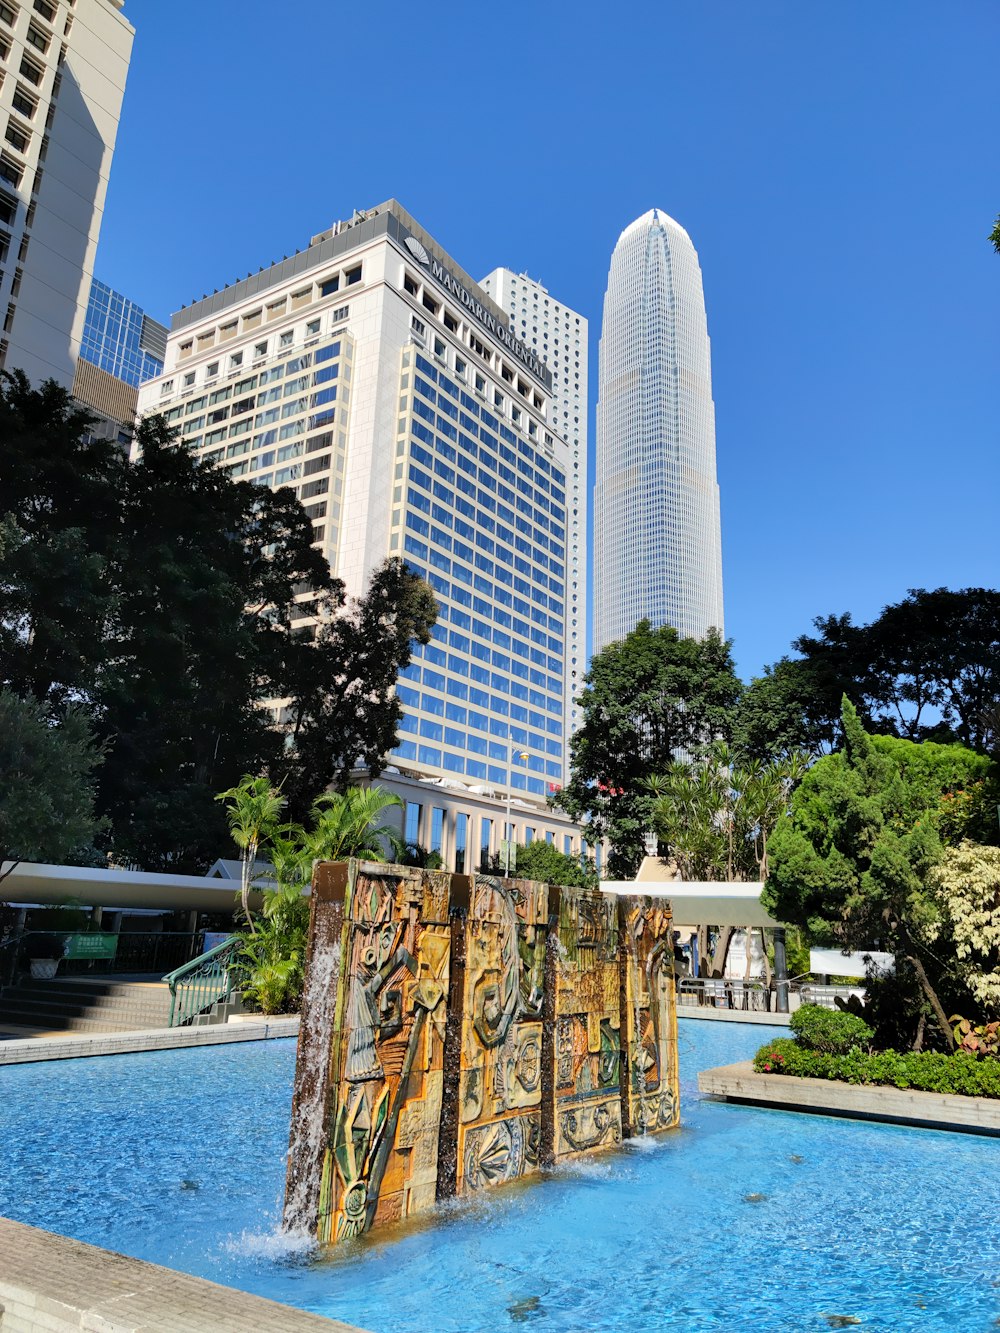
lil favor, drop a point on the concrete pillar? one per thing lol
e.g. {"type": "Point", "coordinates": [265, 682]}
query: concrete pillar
{"type": "Point", "coordinates": [96, 915]}
{"type": "Point", "coordinates": [780, 971]}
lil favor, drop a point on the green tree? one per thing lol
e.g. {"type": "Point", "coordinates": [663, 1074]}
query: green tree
{"type": "Point", "coordinates": [58, 510]}
{"type": "Point", "coordinates": [47, 767]}
{"type": "Point", "coordinates": [713, 819]}
{"type": "Point", "coordinates": [927, 668]}
{"type": "Point", "coordinates": [540, 861]}
{"type": "Point", "coordinates": [853, 862]}
{"type": "Point", "coordinates": [646, 699]}
{"type": "Point", "coordinates": [994, 236]}
{"type": "Point", "coordinates": [344, 709]}
{"type": "Point", "coordinates": [206, 573]}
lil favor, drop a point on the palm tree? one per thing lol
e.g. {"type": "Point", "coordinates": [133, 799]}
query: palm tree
{"type": "Point", "coordinates": [253, 809]}
{"type": "Point", "coordinates": [346, 825]}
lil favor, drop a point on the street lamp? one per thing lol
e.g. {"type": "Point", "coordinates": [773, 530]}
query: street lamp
{"type": "Point", "coordinates": [522, 756]}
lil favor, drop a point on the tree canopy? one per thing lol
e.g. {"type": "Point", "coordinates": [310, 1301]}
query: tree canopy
{"type": "Point", "coordinates": [852, 864]}
{"type": "Point", "coordinates": [180, 608]}
{"type": "Point", "coordinates": [646, 699]}
{"type": "Point", "coordinates": [47, 765]}
{"type": "Point", "coordinates": [927, 668]}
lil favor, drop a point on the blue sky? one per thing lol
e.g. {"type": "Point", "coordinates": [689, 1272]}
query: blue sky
{"type": "Point", "coordinates": [836, 167]}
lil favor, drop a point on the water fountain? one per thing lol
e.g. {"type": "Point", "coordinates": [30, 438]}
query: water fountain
{"type": "Point", "coordinates": [462, 1031]}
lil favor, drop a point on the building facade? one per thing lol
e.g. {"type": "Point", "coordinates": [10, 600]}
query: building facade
{"type": "Point", "coordinates": [120, 338]}
{"type": "Point", "coordinates": [373, 376]}
{"type": "Point", "coordinates": [559, 336]}
{"type": "Point", "coordinates": [64, 65]}
{"type": "Point", "coordinates": [121, 348]}
{"type": "Point", "coordinates": [657, 539]}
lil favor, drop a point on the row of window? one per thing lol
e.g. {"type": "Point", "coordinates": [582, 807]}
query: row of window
{"type": "Point", "coordinates": [316, 290]}
{"type": "Point", "coordinates": [479, 770]}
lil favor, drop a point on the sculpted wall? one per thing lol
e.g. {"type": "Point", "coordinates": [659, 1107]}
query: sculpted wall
{"type": "Point", "coordinates": [463, 1031]}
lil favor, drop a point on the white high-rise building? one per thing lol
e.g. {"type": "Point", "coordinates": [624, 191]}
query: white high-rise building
{"type": "Point", "coordinates": [63, 65]}
{"type": "Point", "coordinates": [373, 376]}
{"type": "Point", "coordinates": [559, 336]}
{"type": "Point", "coordinates": [657, 541]}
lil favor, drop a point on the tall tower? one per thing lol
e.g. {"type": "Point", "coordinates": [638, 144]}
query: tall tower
{"type": "Point", "coordinates": [63, 65]}
{"type": "Point", "coordinates": [657, 543]}
{"type": "Point", "coordinates": [559, 336]}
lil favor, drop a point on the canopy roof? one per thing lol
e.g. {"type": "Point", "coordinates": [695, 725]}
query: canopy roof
{"type": "Point", "coordinates": [711, 902]}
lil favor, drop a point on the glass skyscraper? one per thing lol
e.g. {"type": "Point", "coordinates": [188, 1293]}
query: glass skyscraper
{"type": "Point", "coordinates": [657, 542]}
{"type": "Point", "coordinates": [119, 337]}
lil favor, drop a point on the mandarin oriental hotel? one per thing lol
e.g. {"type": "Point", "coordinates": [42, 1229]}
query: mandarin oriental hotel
{"type": "Point", "coordinates": [370, 374]}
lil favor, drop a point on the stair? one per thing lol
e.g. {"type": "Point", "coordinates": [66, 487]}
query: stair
{"type": "Point", "coordinates": [72, 1005]}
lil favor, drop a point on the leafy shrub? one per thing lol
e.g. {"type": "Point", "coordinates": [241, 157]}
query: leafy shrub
{"type": "Point", "coordinates": [983, 1040]}
{"type": "Point", "coordinates": [926, 1071]}
{"type": "Point", "coordinates": [830, 1030]}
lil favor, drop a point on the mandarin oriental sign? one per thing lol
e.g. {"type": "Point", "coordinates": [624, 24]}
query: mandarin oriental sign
{"type": "Point", "coordinates": [489, 321]}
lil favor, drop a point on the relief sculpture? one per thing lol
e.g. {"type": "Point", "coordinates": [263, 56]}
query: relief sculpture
{"type": "Point", "coordinates": [481, 1029]}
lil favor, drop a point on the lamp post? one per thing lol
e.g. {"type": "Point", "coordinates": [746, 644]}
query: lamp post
{"type": "Point", "coordinates": [508, 827]}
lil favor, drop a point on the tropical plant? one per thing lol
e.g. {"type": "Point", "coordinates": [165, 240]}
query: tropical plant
{"type": "Point", "coordinates": [982, 1040]}
{"type": "Point", "coordinates": [346, 824]}
{"type": "Point", "coordinates": [253, 809]}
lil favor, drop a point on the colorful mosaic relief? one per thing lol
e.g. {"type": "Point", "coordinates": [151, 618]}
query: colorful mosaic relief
{"type": "Point", "coordinates": [649, 1017]}
{"type": "Point", "coordinates": [483, 1028]}
{"type": "Point", "coordinates": [500, 1080]}
{"type": "Point", "coordinates": [587, 1024]}
{"type": "Point", "coordinates": [383, 1119]}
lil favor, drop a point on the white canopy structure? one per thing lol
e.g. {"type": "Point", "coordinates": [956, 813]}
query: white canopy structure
{"type": "Point", "coordinates": [716, 903]}
{"type": "Point", "coordinates": [30, 882]}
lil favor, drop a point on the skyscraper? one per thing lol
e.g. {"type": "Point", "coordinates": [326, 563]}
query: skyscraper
{"type": "Point", "coordinates": [559, 336]}
{"type": "Point", "coordinates": [121, 348]}
{"type": "Point", "coordinates": [63, 65]}
{"type": "Point", "coordinates": [657, 544]}
{"type": "Point", "coordinates": [370, 374]}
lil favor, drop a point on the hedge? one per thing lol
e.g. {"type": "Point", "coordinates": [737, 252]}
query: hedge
{"type": "Point", "coordinates": [926, 1071]}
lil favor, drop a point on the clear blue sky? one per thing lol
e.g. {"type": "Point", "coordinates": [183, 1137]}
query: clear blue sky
{"type": "Point", "coordinates": [836, 167]}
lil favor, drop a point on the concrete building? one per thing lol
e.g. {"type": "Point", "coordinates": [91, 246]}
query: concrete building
{"type": "Point", "coordinates": [121, 348]}
{"type": "Point", "coordinates": [657, 544]}
{"type": "Point", "coordinates": [64, 64]}
{"type": "Point", "coordinates": [372, 375]}
{"type": "Point", "coordinates": [559, 336]}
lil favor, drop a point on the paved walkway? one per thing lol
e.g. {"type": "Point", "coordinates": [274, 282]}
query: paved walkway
{"type": "Point", "coordinates": [17, 1047]}
{"type": "Point", "coordinates": [714, 1015]}
{"type": "Point", "coordinates": [49, 1284]}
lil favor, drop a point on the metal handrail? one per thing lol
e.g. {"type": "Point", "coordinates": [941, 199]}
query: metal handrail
{"type": "Point", "coordinates": [202, 983]}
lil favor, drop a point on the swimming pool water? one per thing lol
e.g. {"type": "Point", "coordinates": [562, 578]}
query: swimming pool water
{"type": "Point", "coordinates": [179, 1158]}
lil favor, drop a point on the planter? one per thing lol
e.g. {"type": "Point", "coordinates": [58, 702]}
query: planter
{"type": "Point", "coordinates": [44, 969]}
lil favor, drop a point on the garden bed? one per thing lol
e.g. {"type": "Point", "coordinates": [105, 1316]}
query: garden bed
{"type": "Point", "coordinates": [824, 1096]}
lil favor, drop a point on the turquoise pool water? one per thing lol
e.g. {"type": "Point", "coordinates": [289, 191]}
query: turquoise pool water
{"type": "Point", "coordinates": [179, 1158]}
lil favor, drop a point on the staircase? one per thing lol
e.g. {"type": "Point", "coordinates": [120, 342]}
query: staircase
{"type": "Point", "coordinates": [74, 1005]}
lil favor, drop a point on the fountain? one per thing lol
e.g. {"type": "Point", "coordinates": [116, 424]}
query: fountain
{"type": "Point", "coordinates": [462, 1031]}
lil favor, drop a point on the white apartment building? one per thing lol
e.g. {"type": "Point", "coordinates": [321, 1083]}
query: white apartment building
{"type": "Point", "coordinates": [373, 376]}
{"type": "Point", "coordinates": [559, 337]}
{"type": "Point", "coordinates": [63, 65]}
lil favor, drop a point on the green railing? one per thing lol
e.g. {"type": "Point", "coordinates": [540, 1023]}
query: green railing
{"type": "Point", "coordinates": [205, 981]}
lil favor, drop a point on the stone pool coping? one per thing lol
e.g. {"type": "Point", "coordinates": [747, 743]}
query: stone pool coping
{"type": "Point", "coordinates": [709, 1014]}
{"type": "Point", "coordinates": [903, 1106]}
{"type": "Point", "coordinates": [25, 1050]}
{"type": "Point", "coordinates": [51, 1283]}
